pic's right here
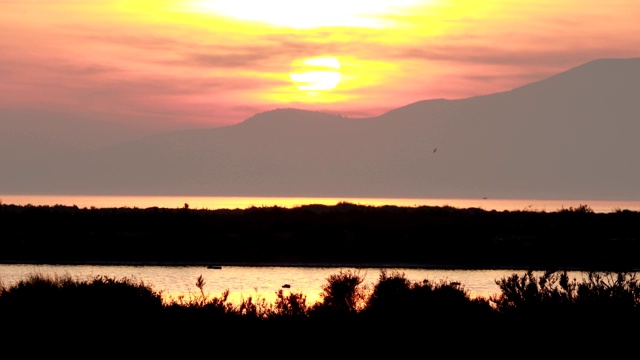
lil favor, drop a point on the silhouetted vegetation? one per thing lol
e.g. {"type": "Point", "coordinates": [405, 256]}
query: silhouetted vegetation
{"type": "Point", "coordinates": [607, 299]}
{"type": "Point", "coordinates": [319, 235]}
{"type": "Point", "coordinates": [550, 314]}
{"type": "Point", "coordinates": [351, 314]}
{"type": "Point", "coordinates": [551, 298]}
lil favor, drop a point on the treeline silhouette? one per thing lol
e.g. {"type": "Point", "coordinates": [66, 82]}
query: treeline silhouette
{"type": "Point", "coordinates": [319, 235]}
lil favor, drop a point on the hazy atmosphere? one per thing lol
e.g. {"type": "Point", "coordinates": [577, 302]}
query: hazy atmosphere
{"type": "Point", "coordinates": [189, 171]}
{"type": "Point", "coordinates": [437, 98]}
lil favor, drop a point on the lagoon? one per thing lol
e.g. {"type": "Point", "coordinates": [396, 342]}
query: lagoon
{"type": "Point", "coordinates": [257, 282]}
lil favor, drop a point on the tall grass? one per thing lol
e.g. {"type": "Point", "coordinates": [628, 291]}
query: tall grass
{"type": "Point", "coordinates": [552, 298]}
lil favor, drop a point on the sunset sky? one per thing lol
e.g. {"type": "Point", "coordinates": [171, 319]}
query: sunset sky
{"type": "Point", "coordinates": [214, 63]}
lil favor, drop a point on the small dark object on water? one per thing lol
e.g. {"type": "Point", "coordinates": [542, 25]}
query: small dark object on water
{"type": "Point", "coordinates": [214, 267]}
{"type": "Point", "coordinates": [286, 286]}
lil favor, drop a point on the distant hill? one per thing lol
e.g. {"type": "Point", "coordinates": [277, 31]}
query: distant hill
{"type": "Point", "coordinates": [570, 136]}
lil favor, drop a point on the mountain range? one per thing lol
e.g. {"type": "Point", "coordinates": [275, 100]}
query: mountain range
{"type": "Point", "coordinates": [573, 135]}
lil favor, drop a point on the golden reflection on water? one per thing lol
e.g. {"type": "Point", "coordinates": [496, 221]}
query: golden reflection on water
{"type": "Point", "coordinates": [260, 283]}
{"type": "Point", "coordinates": [213, 202]}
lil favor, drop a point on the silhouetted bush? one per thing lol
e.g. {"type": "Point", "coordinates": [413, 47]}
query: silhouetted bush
{"type": "Point", "coordinates": [49, 303]}
{"type": "Point", "coordinates": [291, 307]}
{"type": "Point", "coordinates": [601, 301]}
{"type": "Point", "coordinates": [444, 303]}
{"type": "Point", "coordinates": [342, 297]}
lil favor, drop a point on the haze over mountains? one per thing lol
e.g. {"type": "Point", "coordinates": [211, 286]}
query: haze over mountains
{"type": "Point", "coordinates": [571, 136]}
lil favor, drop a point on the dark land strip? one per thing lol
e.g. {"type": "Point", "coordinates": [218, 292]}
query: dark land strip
{"type": "Point", "coordinates": [344, 235]}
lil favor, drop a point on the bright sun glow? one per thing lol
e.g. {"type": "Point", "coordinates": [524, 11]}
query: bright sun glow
{"type": "Point", "coordinates": [315, 74]}
{"type": "Point", "coordinates": [304, 14]}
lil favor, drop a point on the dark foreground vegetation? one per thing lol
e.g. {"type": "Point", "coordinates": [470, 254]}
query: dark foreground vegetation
{"type": "Point", "coordinates": [531, 309]}
{"type": "Point", "coordinates": [344, 234]}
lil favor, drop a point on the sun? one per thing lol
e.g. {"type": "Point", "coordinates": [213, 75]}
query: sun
{"type": "Point", "coordinates": [315, 74]}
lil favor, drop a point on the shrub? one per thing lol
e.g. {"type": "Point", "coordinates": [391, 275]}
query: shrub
{"type": "Point", "coordinates": [96, 302]}
{"type": "Point", "coordinates": [528, 293]}
{"type": "Point", "coordinates": [293, 306]}
{"type": "Point", "coordinates": [343, 295]}
{"type": "Point", "coordinates": [552, 299]}
{"type": "Point", "coordinates": [608, 292]}
{"type": "Point", "coordinates": [395, 298]}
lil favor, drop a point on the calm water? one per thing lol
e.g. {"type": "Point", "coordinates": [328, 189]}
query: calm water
{"type": "Point", "coordinates": [195, 202]}
{"type": "Point", "coordinates": [256, 282]}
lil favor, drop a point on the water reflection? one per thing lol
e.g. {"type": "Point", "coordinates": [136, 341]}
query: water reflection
{"type": "Point", "coordinates": [179, 282]}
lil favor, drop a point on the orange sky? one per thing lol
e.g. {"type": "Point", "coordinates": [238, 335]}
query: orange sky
{"type": "Point", "coordinates": [212, 63]}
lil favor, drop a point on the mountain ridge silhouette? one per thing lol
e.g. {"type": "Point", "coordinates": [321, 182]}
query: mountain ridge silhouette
{"type": "Point", "coordinates": [569, 136]}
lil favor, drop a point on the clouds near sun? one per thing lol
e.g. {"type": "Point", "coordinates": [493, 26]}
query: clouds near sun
{"type": "Point", "coordinates": [298, 14]}
{"type": "Point", "coordinates": [219, 62]}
